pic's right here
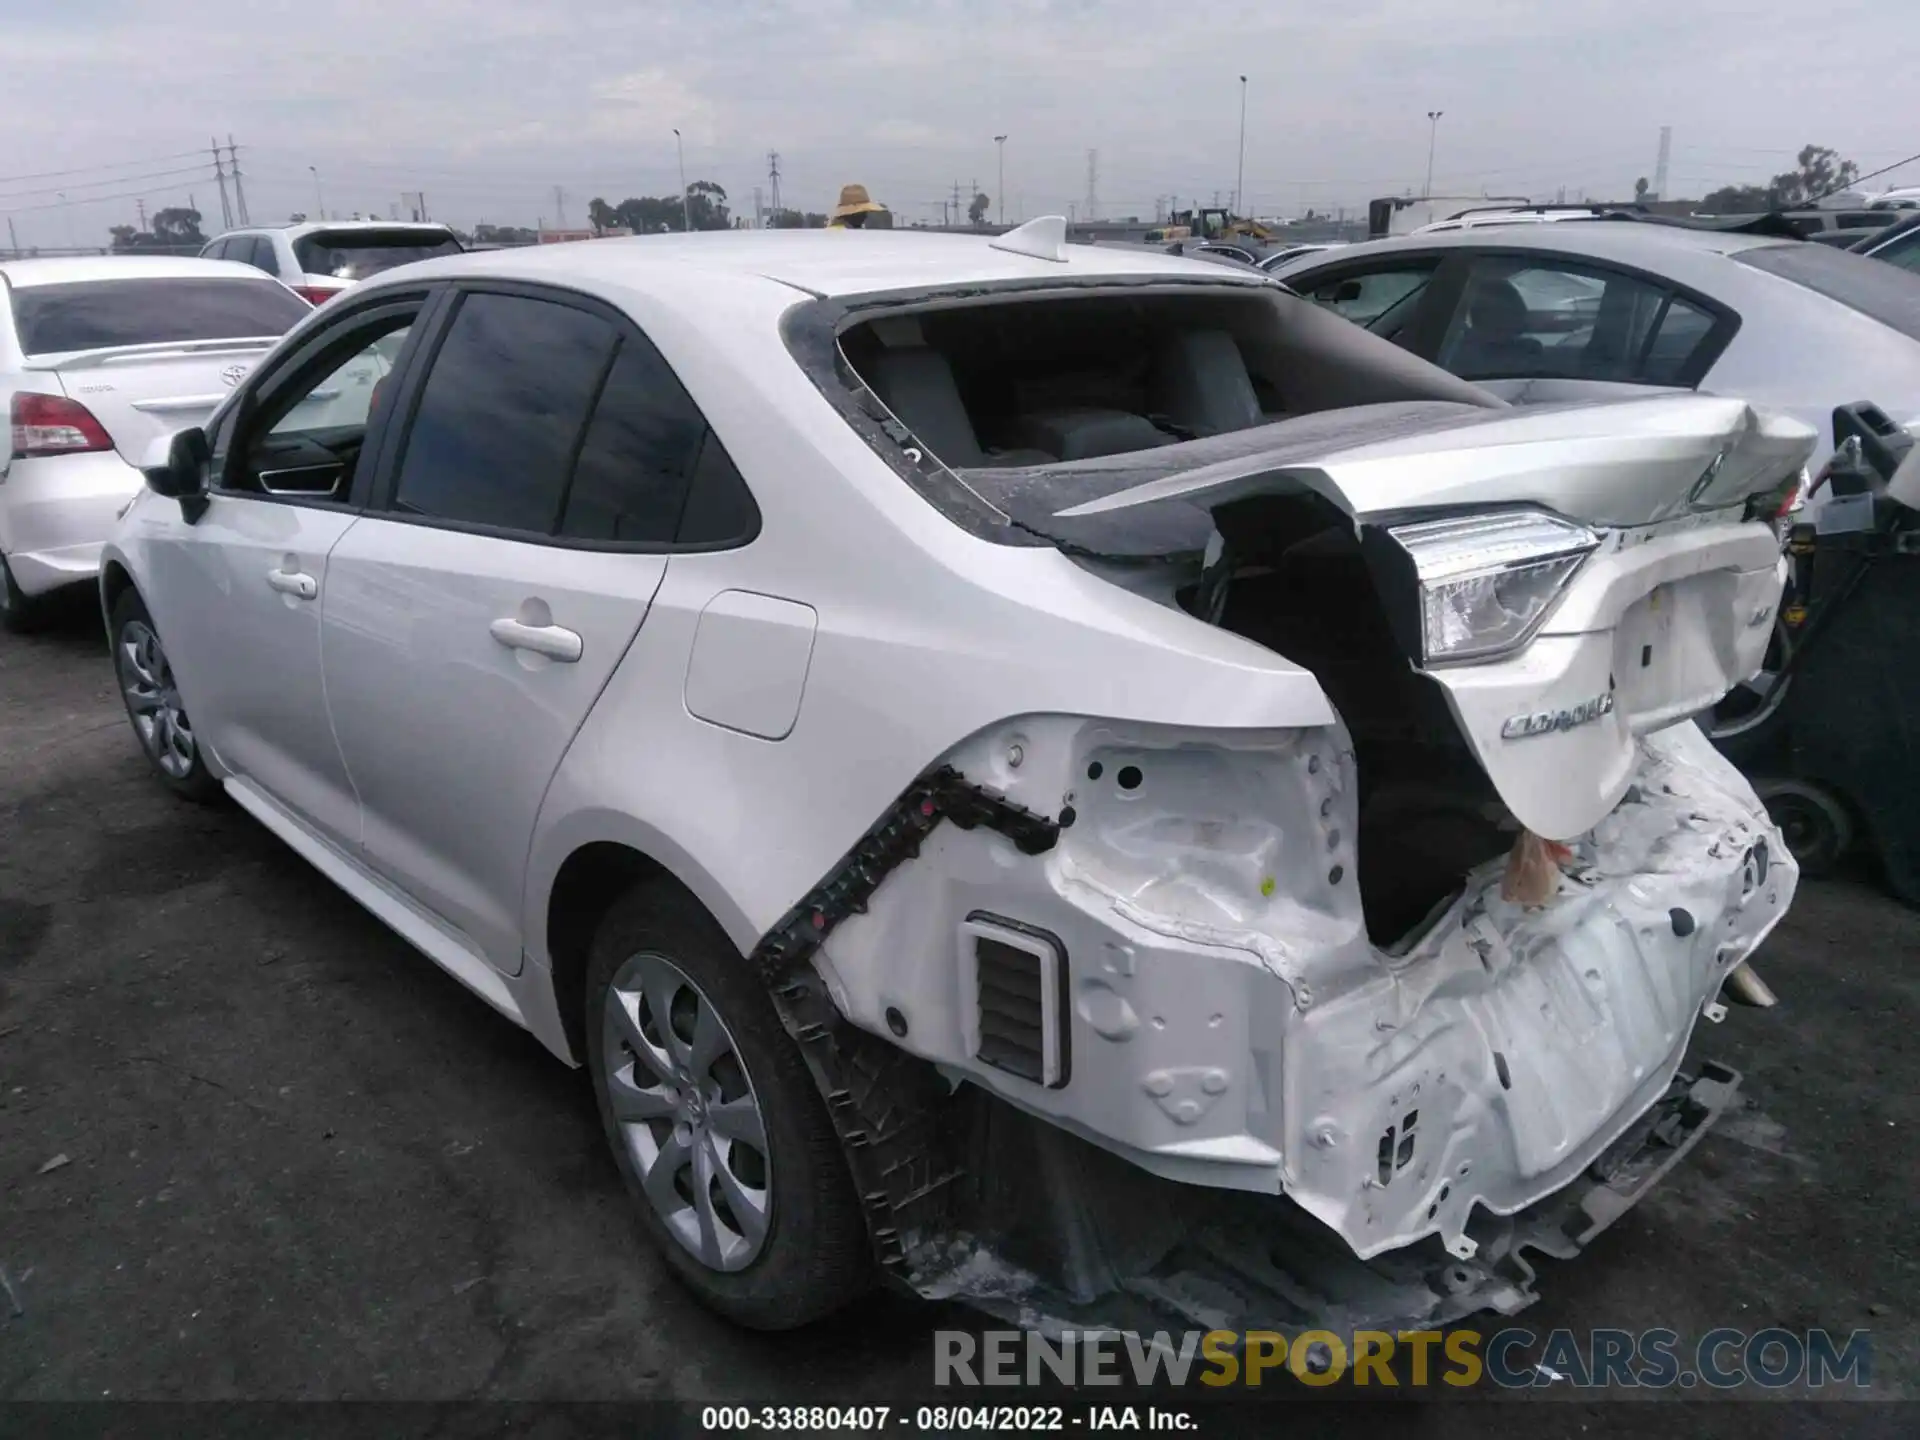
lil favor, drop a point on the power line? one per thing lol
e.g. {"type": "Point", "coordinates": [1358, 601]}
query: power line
{"type": "Point", "coordinates": [90, 199]}
{"type": "Point", "coordinates": [195, 170]}
{"type": "Point", "coordinates": [83, 169]}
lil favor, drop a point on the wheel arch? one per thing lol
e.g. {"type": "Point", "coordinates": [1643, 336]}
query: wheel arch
{"type": "Point", "coordinates": [590, 873]}
{"type": "Point", "coordinates": [115, 581]}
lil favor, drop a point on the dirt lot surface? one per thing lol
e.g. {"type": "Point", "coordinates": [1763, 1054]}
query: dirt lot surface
{"type": "Point", "coordinates": [253, 1147]}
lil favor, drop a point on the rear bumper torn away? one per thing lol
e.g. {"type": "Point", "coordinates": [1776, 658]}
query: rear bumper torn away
{"type": "Point", "coordinates": [1082, 1241]}
{"type": "Point", "coordinates": [1232, 1093]}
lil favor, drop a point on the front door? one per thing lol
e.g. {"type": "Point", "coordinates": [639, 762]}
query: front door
{"type": "Point", "coordinates": [280, 500]}
{"type": "Point", "coordinates": [472, 622]}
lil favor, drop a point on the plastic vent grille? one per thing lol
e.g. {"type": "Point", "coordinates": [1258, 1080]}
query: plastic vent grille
{"type": "Point", "coordinates": [1010, 1009]}
{"type": "Point", "coordinates": [1018, 981]}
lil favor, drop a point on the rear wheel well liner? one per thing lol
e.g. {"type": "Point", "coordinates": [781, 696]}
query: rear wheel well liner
{"type": "Point", "coordinates": [590, 880]}
{"type": "Point", "coordinates": [115, 581]}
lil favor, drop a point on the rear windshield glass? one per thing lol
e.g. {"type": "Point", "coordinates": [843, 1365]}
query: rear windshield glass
{"type": "Point", "coordinates": [92, 314]}
{"type": "Point", "coordinates": [356, 254]}
{"type": "Point", "coordinates": [1881, 292]}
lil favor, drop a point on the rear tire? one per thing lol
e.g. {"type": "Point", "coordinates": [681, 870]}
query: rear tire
{"type": "Point", "coordinates": [705, 1097]}
{"type": "Point", "coordinates": [147, 689]}
{"type": "Point", "coordinates": [1813, 821]}
{"type": "Point", "coordinates": [19, 612]}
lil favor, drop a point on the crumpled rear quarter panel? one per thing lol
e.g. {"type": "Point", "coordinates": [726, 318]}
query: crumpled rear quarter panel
{"type": "Point", "coordinates": [1230, 1023]}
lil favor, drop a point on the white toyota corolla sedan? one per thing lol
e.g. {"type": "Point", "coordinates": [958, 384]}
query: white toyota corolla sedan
{"type": "Point", "coordinates": [1072, 779]}
{"type": "Point", "coordinates": [97, 357]}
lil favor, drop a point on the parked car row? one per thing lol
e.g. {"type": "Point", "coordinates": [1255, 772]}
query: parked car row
{"type": "Point", "coordinates": [963, 738]}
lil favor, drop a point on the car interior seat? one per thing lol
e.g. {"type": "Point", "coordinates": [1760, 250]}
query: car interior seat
{"type": "Point", "coordinates": [916, 383]}
{"type": "Point", "coordinates": [1495, 339]}
{"type": "Point", "coordinates": [1200, 383]}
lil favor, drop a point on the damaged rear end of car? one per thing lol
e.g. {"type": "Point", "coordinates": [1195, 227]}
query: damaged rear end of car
{"type": "Point", "coordinates": [1129, 1025]}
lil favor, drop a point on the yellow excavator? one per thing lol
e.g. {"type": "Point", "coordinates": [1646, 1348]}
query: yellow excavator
{"type": "Point", "coordinates": [1219, 224]}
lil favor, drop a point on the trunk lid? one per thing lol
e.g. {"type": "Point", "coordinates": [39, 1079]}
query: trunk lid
{"type": "Point", "coordinates": [1672, 607]}
{"type": "Point", "coordinates": [141, 392]}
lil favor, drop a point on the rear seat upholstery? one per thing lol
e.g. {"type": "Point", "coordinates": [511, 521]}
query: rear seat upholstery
{"type": "Point", "coordinates": [1198, 381]}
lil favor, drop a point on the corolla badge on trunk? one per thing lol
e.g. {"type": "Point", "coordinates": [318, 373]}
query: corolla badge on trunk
{"type": "Point", "coordinates": [233, 375]}
{"type": "Point", "coordinates": [1549, 722]}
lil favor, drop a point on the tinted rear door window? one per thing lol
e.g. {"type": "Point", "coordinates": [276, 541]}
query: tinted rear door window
{"type": "Point", "coordinates": [1883, 292]}
{"type": "Point", "coordinates": [356, 254]}
{"type": "Point", "coordinates": [91, 314]}
{"type": "Point", "coordinates": [501, 414]}
{"type": "Point", "coordinates": [1525, 318]}
{"type": "Point", "coordinates": [631, 479]}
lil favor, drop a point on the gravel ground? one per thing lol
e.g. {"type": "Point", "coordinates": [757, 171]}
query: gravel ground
{"type": "Point", "coordinates": [253, 1147]}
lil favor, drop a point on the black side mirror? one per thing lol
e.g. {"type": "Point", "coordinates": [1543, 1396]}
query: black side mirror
{"type": "Point", "coordinates": [1346, 292]}
{"type": "Point", "coordinates": [184, 475]}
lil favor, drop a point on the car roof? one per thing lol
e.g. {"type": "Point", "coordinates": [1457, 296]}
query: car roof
{"type": "Point", "coordinates": [830, 263]}
{"type": "Point", "coordinates": [1626, 241]}
{"type": "Point", "coordinates": [65, 270]}
{"type": "Point", "coordinates": [308, 227]}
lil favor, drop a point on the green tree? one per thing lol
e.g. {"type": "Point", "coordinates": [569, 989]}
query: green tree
{"type": "Point", "coordinates": [177, 225]}
{"type": "Point", "coordinates": [1640, 189]}
{"type": "Point", "coordinates": [707, 204]}
{"type": "Point", "coordinates": [602, 216]}
{"type": "Point", "coordinates": [977, 208]}
{"type": "Point", "coordinates": [1821, 172]}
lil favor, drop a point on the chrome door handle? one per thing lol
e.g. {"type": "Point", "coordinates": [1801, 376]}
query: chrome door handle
{"type": "Point", "coordinates": [556, 642]}
{"type": "Point", "coordinates": [292, 582]}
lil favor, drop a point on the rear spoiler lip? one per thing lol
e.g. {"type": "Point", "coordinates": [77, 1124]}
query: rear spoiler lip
{"type": "Point", "coordinates": [117, 354]}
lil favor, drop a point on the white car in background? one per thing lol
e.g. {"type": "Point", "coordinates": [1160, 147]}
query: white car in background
{"type": "Point", "coordinates": [985, 741]}
{"type": "Point", "coordinates": [98, 356]}
{"type": "Point", "coordinates": [320, 259]}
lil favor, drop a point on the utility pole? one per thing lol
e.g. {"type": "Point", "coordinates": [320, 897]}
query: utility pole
{"type": "Point", "coordinates": [13, 240]}
{"type": "Point", "coordinates": [759, 215]}
{"type": "Point", "coordinates": [140, 209]}
{"type": "Point", "coordinates": [220, 175]}
{"type": "Point", "coordinates": [1240, 175]}
{"type": "Point", "coordinates": [559, 208]}
{"type": "Point", "coordinates": [1660, 165]}
{"type": "Point", "coordinates": [319, 200]}
{"type": "Point", "coordinates": [1093, 185]}
{"type": "Point", "coordinates": [773, 180]}
{"type": "Point", "coordinates": [1000, 190]}
{"type": "Point", "coordinates": [239, 195]}
{"type": "Point", "coordinates": [686, 205]}
{"type": "Point", "coordinates": [1433, 135]}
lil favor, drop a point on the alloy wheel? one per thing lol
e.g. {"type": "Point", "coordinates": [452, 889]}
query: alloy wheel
{"type": "Point", "coordinates": [153, 700]}
{"type": "Point", "coordinates": [687, 1112]}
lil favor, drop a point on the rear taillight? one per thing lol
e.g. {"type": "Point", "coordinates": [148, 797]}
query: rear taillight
{"type": "Point", "coordinates": [54, 425]}
{"type": "Point", "coordinates": [314, 294]}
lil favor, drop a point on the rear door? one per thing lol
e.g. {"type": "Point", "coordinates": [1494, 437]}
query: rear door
{"type": "Point", "coordinates": [473, 619]}
{"type": "Point", "coordinates": [152, 354]}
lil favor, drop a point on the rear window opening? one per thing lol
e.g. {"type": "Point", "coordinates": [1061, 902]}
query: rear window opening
{"type": "Point", "coordinates": [356, 254]}
{"type": "Point", "coordinates": [1055, 380]}
{"type": "Point", "coordinates": [1428, 812]}
{"type": "Point", "coordinates": [153, 310]}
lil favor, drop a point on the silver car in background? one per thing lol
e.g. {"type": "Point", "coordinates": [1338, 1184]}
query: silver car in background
{"type": "Point", "coordinates": [99, 356]}
{"type": "Point", "coordinates": [1602, 309]}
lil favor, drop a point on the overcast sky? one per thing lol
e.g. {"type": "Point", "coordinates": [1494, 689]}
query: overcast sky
{"type": "Point", "coordinates": [486, 105]}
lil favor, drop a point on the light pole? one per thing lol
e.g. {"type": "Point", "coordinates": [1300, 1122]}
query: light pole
{"type": "Point", "coordinates": [1000, 195]}
{"type": "Point", "coordinates": [686, 206]}
{"type": "Point", "coordinates": [1240, 176]}
{"type": "Point", "coordinates": [66, 210]}
{"type": "Point", "coordinates": [319, 200]}
{"type": "Point", "coordinates": [1433, 134]}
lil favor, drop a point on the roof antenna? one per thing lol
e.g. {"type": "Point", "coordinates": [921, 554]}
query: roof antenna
{"type": "Point", "coordinates": [1044, 238]}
